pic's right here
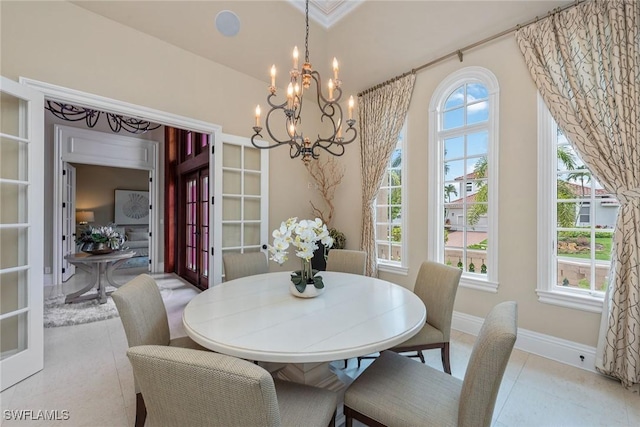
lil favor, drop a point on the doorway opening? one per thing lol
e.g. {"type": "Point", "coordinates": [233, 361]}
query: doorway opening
{"type": "Point", "coordinates": [61, 94]}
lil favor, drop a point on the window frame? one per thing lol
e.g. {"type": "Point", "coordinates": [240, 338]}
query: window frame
{"type": "Point", "coordinates": [383, 264]}
{"type": "Point", "coordinates": [437, 134]}
{"type": "Point", "coordinates": [546, 289]}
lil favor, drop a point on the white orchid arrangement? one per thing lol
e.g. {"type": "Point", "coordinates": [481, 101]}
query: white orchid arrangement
{"type": "Point", "coordinates": [304, 236]}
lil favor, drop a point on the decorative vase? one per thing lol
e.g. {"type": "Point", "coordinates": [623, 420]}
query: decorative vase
{"type": "Point", "coordinates": [96, 248]}
{"type": "Point", "coordinates": [305, 283]}
{"type": "Point", "coordinates": [310, 291]}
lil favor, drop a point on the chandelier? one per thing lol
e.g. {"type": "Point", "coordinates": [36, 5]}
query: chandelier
{"type": "Point", "coordinates": [71, 113]}
{"type": "Point", "coordinates": [291, 109]}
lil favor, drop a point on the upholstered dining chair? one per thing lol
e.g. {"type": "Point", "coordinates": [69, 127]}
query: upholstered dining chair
{"type": "Point", "coordinates": [185, 387]}
{"type": "Point", "coordinates": [347, 261]}
{"type": "Point", "coordinates": [246, 264]}
{"type": "Point", "coordinates": [145, 322]}
{"type": "Point", "coordinates": [396, 390]}
{"type": "Point", "coordinates": [436, 285]}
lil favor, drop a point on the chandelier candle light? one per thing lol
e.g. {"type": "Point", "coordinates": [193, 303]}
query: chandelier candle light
{"type": "Point", "coordinates": [300, 80]}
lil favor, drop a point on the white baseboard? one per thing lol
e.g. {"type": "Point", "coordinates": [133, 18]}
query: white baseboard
{"type": "Point", "coordinates": [558, 349]}
{"type": "Point", "coordinates": [47, 279]}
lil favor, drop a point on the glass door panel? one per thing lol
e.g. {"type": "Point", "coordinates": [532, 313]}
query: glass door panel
{"type": "Point", "coordinates": [244, 186]}
{"type": "Point", "coordinates": [21, 231]}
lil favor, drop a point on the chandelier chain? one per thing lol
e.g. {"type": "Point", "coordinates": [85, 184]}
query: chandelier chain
{"type": "Point", "coordinates": [306, 37]}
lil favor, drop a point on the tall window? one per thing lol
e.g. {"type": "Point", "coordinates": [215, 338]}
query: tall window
{"type": "Point", "coordinates": [463, 180]}
{"type": "Point", "coordinates": [577, 234]}
{"type": "Point", "coordinates": [390, 209]}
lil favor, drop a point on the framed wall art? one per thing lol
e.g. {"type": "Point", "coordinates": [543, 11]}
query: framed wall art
{"type": "Point", "coordinates": [131, 207]}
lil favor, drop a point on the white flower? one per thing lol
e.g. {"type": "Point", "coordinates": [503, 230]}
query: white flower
{"type": "Point", "coordinates": [304, 235]}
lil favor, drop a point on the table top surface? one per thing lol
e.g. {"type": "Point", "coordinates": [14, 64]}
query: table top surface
{"type": "Point", "coordinates": [89, 258]}
{"type": "Point", "coordinates": [257, 318]}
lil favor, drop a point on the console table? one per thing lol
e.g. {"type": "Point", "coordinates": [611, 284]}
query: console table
{"type": "Point", "coordinates": [96, 265]}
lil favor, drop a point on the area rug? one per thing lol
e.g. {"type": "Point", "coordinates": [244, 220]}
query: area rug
{"type": "Point", "coordinates": [58, 313]}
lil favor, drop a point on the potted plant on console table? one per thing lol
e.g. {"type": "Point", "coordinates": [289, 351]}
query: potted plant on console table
{"type": "Point", "coordinates": [100, 240]}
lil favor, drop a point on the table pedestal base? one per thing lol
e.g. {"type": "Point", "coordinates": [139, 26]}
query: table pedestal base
{"type": "Point", "coordinates": [97, 270]}
{"type": "Point", "coordinates": [323, 375]}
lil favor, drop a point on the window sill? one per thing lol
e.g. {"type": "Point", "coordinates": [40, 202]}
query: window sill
{"type": "Point", "coordinates": [393, 268]}
{"type": "Point", "coordinates": [588, 303]}
{"type": "Point", "coordinates": [478, 283]}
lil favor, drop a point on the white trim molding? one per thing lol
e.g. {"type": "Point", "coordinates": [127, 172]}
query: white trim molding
{"type": "Point", "coordinates": [558, 349]}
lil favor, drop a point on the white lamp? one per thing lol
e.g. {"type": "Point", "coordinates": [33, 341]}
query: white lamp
{"type": "Point", "coordinates": [85, 217]}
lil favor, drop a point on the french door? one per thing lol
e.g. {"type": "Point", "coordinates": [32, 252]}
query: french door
{"type": "Point", "coordinates": [68, 219]}
{"type": "Point", "coordinates": [195, 246]}
{"type": "Point", "coordinates": [242, 178]}
{"type": "Point", "coordinates": [21, 231]}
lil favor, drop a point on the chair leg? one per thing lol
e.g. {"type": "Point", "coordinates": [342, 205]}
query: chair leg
{"type": "Point", "coordinates": [421, 356]}
{"type": "Point", "coordinates": [141, 410]}
{"type": "Point", "coordinates": [346, 363]}
{"type": "Point", "coordinates": [332, 422]}
{"type": "Point", "coordinates": [444, 353]}
{"type": "Point", "coordinates": [348, 418]}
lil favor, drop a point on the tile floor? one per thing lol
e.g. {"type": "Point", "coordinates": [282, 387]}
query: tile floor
{"type": "Point", "coordinates": [87, 373]}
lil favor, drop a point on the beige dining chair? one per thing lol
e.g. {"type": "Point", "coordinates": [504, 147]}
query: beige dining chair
{"type": "Point", "coordinates": [396, 390]}
{"type": "Point", "coordinates": [347, 261]}
{"type": "Point", "coordinates": [184, 387]}
{"type": "Point", "coordinates": [436, 285]}
{"type": "Point", "coordinates": [144, 318]}
{"type": "Point", "coordinates": [246, 264]}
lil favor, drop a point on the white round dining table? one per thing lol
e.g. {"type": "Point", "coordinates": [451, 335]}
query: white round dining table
{"type": "Point", "coordinates": [257, 318]}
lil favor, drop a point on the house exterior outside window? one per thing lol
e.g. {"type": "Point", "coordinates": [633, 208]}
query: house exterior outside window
{"type": "Point", "coordinates": [391, 213]}
{"type": "Point", "coordinates": [576, 233]}
{"type": "Point", "coordinates": [463, 196]}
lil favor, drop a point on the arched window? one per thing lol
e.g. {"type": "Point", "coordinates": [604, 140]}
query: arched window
{"type": "Point", "coordinates": [463, 157]}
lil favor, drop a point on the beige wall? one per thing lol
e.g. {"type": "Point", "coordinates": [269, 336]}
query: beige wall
{"type": "Point", "coordinates": [96, 185]}
{"type": "Point", "coordinates": [35, 44]}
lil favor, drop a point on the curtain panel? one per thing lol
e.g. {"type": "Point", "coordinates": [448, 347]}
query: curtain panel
{"type": "Point", "coordinates": [585, 62]}
{"type": "Point", "coordinates": [382, 111]}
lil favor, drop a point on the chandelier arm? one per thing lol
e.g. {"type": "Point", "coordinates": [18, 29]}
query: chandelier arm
{"type": "Point", "coordinates": [275, 106]}
{"type": "Point", "coordinates": [298, 149]}
{"type": "Point", "coordinates": [334, 149]}
{"type": "Point", "coordinates": [328, 144]}
{"type": "Point", "coordinates": [277, 142]}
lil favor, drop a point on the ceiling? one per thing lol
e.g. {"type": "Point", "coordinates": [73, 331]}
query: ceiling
{"type": "Point", "coordinates": [374, 40]}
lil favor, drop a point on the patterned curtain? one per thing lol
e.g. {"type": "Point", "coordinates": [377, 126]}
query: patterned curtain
{"type": "Point", "coordinates": [382, 111]}
{"type": "Point", "coordinates": [585, 62]}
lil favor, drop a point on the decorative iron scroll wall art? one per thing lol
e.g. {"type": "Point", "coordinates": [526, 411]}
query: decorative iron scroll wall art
{"type": "Point", "coordinates": [117, 122]}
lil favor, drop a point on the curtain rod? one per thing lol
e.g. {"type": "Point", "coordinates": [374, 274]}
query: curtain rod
{"type": "Point", "coordinates": [459, 52]}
